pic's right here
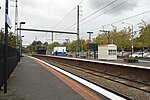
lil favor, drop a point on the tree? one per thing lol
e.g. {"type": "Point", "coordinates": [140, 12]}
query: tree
{"type": "Point", "coordinates": [11, 39]}
{"type": "Point", "coordinates": [52, 45]}
{"type": "Point", "coordinates": [83, 45]}
{"type": "Point", "coordinates": [28, 50]}
{"type": "Point", "coordinates": [45, 45]}
{"type": "Point", "coordinates": [36, 45]}
{"type": "Point", "coordinates": [101, 39]}
{"type": "Point", "coordinates": [144, 38]}
{"type": "Point", "coordinates": [120, 38]}
{"type": "Point", "coordinates": [1, 36]}
{"type": "Point", "coordinates": [72, 47]}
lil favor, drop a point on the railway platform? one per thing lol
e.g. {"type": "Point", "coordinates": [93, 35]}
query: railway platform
{"type": "Point", "coordinates": [32, 81]}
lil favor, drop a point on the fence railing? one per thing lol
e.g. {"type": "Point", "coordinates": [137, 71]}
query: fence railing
{"type": "Point", "coordinates": [12, 60]}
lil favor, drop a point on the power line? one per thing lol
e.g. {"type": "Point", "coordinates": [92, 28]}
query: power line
{"type": "Point", "coordinates": [80, 2]}
{"type": "Point", "coordinates": [70, 26]}
{"type": "Point", "coordinates": [106, 12]}
{"type": "Point", "coordinates": [65, 17]}
{"type": "Point", "coordinates": [43, 36]}
{"type": "Point", "coordinates": [67, 14]}
{"type": "Point", "coordinates": [124, 19]}
{"type": "Point", "coordinates": [92, 13]}
{"type": "Point", "coordinates": [98, 10]}
{"type": "Point", "coordinates": [101, 3]}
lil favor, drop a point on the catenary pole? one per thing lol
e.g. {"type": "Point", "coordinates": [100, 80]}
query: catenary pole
{"type": "Point", "coordinates": [5, 48]}
{"type": "Point", "coordinates": [78, 48]}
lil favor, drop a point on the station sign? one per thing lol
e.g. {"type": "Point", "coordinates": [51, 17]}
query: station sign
{"type": "Point", "coordinates": [8, 21]}
{"type": "Point", "coordinates": [92, 46]}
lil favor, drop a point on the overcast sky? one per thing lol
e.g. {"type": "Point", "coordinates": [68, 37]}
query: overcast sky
{"type": "Point", "coordinates": [45, 14]}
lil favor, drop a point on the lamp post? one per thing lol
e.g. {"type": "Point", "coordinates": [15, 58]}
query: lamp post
{"type": "Point", "coordinates": [89, 52]}
{"type": "Point", "coordinates": [132, 47]}
{"type": "Point", "coordinates": [21, 45]}
{"type": "Point", "coordinates": [20, 40]}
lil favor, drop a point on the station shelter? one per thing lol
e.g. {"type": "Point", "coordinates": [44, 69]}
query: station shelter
{"type": "Point", "coordinates": [107, 52]}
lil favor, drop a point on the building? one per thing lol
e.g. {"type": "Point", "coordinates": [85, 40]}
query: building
{"type": "Point", "coordinates": [107, 52]}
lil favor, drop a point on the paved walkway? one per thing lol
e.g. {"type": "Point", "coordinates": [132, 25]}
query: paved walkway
{"type": "Point", "coordinates": [30, 81]}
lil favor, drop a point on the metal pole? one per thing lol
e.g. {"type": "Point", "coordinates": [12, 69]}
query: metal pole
{"type": "Point", "coordinates": [5, 48]}
{"type": "Point", "coordinates": [103, 27]}
{"type": "Point", "coordinates": [132, 42]}
{"type": "Point", "coordinates": [20, 41]}
{"type": "Point", "coordinates": [16, 22]}
{"type": "Point", "coordinates": [52, 37]}
{"type": "Point", "coordinates": [21, 46]}
{"type": "Point", "coordinates": [90, 35]}
{"type": "Point", "coordinates": [108, 35]}
{"type": "Point", "coordinates": [78, 50]}
{"type": "Point", "coordinates": [132, 47]}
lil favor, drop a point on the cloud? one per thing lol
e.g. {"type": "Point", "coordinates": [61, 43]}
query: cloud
{"type": "Point", "coordinates": [128, 5]}
{"type": "Point", "coordinates": [45, 13]}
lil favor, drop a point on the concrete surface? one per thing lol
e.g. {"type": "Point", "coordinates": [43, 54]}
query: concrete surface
{"type": "Point", "coordinates": [30, 81]}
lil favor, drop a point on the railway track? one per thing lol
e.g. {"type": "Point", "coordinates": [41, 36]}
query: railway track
{"type": "Point", "coordinates": [88, 74]}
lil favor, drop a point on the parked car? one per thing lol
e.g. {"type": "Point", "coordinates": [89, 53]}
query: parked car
{"type": "Point", "coordinates": [123, 54]}
{"type": "Point", "coordinates": [147, 55]}
{"type": "Point", "coordinates": [137, 54]}
{"type": "Point", "coordinates": [140, 54]}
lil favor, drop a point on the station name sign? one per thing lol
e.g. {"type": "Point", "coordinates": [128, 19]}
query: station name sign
{"type": "Point", "coordinates": [8, 21]}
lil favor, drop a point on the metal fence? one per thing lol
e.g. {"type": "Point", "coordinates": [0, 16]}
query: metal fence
{"type": "Point", "coordinates": [13, 58]}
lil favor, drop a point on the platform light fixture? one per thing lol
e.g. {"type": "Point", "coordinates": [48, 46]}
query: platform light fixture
{"type": "Point", "coordinates": [20, 40]}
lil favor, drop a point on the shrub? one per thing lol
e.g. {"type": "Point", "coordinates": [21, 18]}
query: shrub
{"type": "Point", "coordinates": [82, 56]}
{"type": "Point", "coordinates": [70, 55]}
{"type": "Point", "coordinates": [131, 60]}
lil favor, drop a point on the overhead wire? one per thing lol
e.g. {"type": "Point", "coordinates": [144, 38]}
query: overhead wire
{"type": "Point", "coordinates": [64, 17]}
{"type": "Point", "coordinates": [98, 10]}
{"type": "Point", "coordinates": [106, 11]}
{"type": "Point", "coordinates": [43, 36]}
{"type": "Point", "coordinates": [143, 21]}
{"type": "Point", "coordinates": [124, 19]}
{"type": "Point", "coordinates": [67, 15]}
{"type": "Point", "coordinates": [101, 3]}
{"type": "Point", "coordinates": [93, 13]}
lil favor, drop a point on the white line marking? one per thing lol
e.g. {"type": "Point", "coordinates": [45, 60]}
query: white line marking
{"type": "Point", "coordinates": [98, 89]}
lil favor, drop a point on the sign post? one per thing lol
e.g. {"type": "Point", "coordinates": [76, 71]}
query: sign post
{"type": "Point", "coordinates": [7, 24]}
